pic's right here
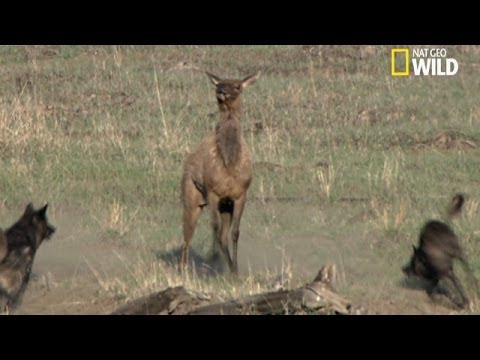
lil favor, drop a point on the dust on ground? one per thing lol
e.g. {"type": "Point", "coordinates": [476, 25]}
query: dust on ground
{"type": "Point", "coordinates": [68, 271]}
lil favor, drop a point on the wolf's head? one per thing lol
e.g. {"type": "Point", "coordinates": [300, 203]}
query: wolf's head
{"type": "Point", "coordinates": [39, 221]}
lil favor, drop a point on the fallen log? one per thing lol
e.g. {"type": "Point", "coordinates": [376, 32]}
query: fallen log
{"type": "Point", "coordinates": [317, 297]}
{"type": "Point", "coordinates": [314, 298]}
{"type": "Point", "coordinates": [166, 302]}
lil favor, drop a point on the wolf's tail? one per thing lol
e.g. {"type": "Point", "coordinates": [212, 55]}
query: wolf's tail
{"type": "Point", "coordinates": [455, 207]}
{"type": "Point", "coordinates": [453, 210]}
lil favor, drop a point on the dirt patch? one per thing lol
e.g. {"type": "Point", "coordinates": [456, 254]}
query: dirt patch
{"type": "Point", "coordinates": [69, 270]}
{"type": "Point", "coordinates": [65, 271]}
{"type": "Point", "coordinates": [66, 279]}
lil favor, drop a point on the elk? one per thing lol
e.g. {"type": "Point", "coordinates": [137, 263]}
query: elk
{"type": "Point", "coordinates": [438, 247]}
{"type": "Point", "coordinates": [218, 173]}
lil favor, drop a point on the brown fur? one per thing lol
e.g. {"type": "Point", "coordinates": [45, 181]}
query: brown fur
{"type": "Point", "coordinates": [219, 172]}
{"type": "Point", "coordinates": [23, 240]}
{"type": "Point", "coordinates": [438, 248]}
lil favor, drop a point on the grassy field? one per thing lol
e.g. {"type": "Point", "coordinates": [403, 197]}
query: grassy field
{"type": "Point", "coordinates": [349, 163]}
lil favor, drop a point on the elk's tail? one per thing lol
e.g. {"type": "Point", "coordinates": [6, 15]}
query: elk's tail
{"type": "Point", "coordinates": [225, 207]}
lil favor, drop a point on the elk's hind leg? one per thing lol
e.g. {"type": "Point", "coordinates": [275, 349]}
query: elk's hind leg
{"type": "Point", "coordinates": [193, 202]}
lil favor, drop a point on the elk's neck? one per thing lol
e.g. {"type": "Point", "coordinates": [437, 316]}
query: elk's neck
{"type": "Point", "coordinates": [229, 136]}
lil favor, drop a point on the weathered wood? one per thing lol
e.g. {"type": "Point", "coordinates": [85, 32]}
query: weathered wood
{"type": "Point", "coordinates": [316, 297]}
{"type": "Point", "coordinates": [269, 303]}
{"type": "Point", "coordinates": [166, 302]}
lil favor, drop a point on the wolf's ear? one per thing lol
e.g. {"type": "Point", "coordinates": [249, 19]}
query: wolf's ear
{"type": "Point", "coordinates": [43, 211]}
{"type": "Point", "coordinates": [29, 211]}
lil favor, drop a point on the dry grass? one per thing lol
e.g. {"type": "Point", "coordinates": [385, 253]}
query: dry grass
{"type": "Point", "coordinates": [349, 162]}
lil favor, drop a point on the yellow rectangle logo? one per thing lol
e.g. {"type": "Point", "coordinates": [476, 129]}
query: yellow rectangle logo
{"type": "Point", "coordinates": [407, 62]}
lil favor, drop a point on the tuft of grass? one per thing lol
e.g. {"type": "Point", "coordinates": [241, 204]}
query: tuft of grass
{"type": "Point", "coordinates": [145, 276]}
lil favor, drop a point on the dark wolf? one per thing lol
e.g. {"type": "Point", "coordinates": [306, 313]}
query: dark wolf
{"type": "Point", "coordinates": [18, 246]}
{"type": "Point", "coordinates": [434, 257]}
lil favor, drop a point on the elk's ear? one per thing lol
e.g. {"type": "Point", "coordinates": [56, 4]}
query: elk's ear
{"type": "Point", "coordinates": [249, 80]}
{"type": "Point", "coordinates": [414, 249]}
{"type": "Point", "coordinates": [214, 79]}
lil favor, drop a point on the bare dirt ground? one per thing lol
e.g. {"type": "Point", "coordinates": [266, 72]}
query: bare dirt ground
{"type": "Point", "coordinates": [67, 269]}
